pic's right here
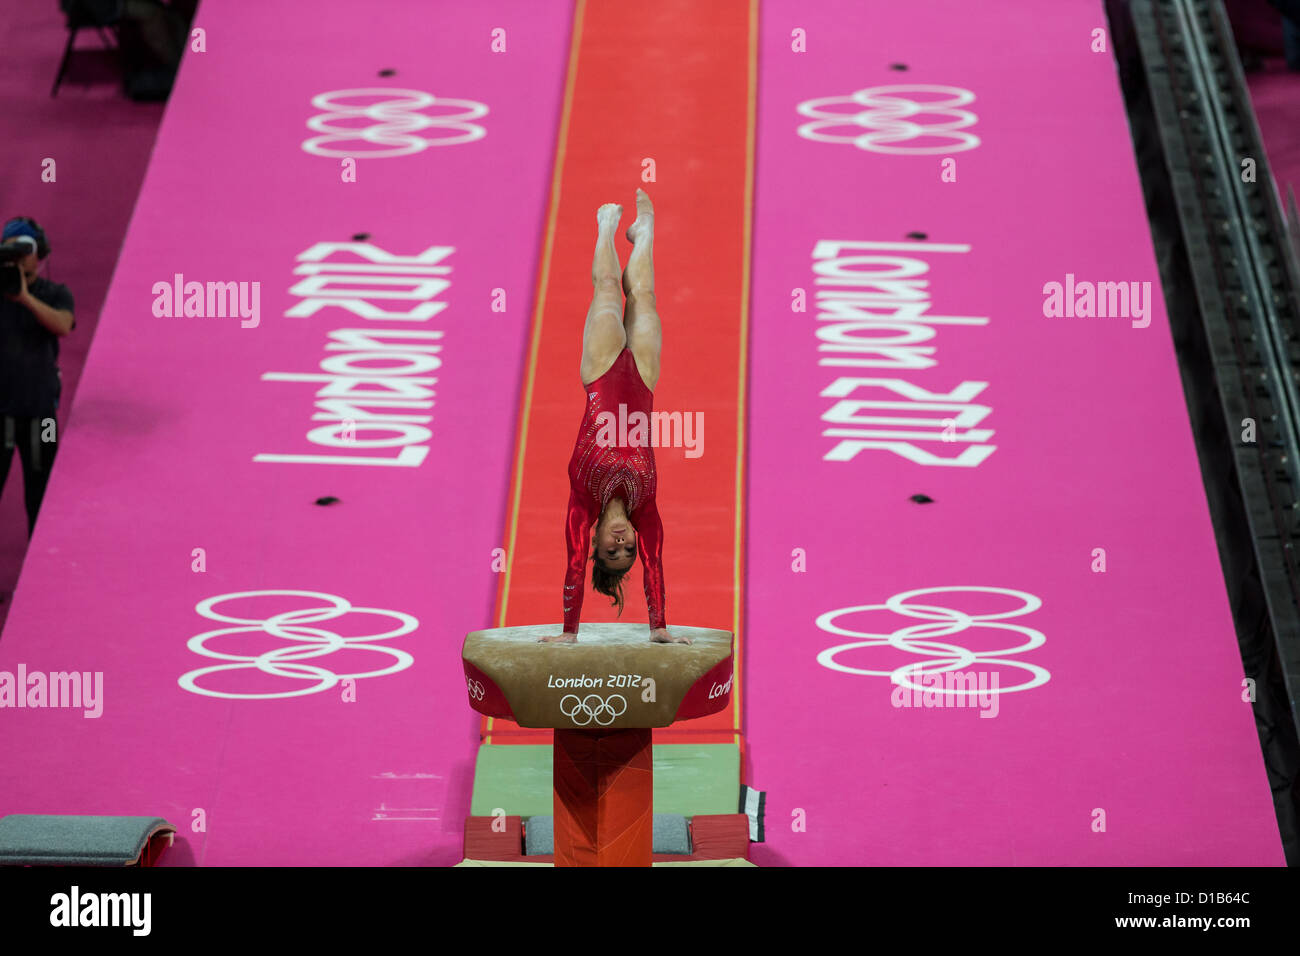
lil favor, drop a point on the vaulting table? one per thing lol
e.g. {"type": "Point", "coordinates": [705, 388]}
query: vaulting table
{"type": "Point", "coordinates": [602, 696]}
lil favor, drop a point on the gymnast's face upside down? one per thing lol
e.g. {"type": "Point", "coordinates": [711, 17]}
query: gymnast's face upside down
{"type": "Point", "coordinates": [615, 543]}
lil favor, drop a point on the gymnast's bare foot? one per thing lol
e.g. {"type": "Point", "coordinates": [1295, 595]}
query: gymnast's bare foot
{"type": "Point", "coordinates": [608, 216]}
{"type": "Point", "coordinates": [660, 635]}
{"type": "Point", "coordinates": [565, 638]}
{"type": "Point", "coordinates": [644, 225]}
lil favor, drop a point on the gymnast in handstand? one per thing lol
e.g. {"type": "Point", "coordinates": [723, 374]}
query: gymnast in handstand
{"type": "Point", "coordinates": [614, 485]}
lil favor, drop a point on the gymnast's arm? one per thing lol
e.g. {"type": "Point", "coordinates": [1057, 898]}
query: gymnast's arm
{"type": "Point", "coordinates": [577, 535]}
{"type": "Point", "coordinates": [650, 541]}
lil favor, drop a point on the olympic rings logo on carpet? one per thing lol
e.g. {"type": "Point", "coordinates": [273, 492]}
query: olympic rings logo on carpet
{"type": "Point", "coordinates": [880, 120]}
{"type": "Point", "coordinates": [475, 688]}
{"type": "Point", "coordinates": [918, 639]}
{"type": "Point", "coordinates": [311, 642]}
{"type": "Point", "coordinates": [582, 711]}
{"type": "Point", "coordinates": [395, 123]}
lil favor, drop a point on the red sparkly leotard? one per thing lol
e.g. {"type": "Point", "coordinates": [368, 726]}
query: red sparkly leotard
{"type": "Point", "coordinates": [599, 472]}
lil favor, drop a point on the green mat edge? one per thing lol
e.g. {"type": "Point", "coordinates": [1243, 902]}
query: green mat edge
{"type": "Point", "coordinates": [690, 779]}
{"type": "Point", "coordinates": [734, 861]}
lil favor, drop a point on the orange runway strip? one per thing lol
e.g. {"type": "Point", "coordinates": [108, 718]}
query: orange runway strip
{"type": "Point", "coordinates": [676, 88]}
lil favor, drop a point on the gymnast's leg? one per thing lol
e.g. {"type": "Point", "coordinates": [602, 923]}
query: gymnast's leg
{"type": "Point", "coordinates": [641, 319]}
{"type": "Point", "coordinates": [603, 337]}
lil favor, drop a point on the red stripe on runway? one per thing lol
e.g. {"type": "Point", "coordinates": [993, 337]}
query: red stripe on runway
{"type": "Point", "coordinates": [632, 99]}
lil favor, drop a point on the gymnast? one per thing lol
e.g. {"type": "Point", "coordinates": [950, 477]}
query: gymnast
{"type": "Point", "coordinates": [612, 485]}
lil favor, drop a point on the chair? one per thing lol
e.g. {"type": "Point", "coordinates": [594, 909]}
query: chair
{"type": "Point", "coordinates": [85, 14]}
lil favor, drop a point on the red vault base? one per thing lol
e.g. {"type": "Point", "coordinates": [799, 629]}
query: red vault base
{"type": "Point", "coordinates": [604, 797]}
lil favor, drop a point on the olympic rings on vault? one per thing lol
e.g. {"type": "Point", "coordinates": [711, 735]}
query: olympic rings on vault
{"type": "Point", "coordinates": [604, 711]}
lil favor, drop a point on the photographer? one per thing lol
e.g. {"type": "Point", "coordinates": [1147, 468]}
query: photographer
{"type": "Point", "coordinates": [34, 314]}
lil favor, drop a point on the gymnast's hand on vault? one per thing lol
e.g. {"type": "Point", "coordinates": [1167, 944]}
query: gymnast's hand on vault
{"type": "Point", "coordinates": [660, 635]}
{"type": "Point", "coordinates": [565, 638]}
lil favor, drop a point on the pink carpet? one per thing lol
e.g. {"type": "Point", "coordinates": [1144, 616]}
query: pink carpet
{"type": "Point", "coordinates": [100, 142]}
{"type": "Point", "coordinates": [1116, 733]}
{"type": "Point", "coordinates": [320, 719]}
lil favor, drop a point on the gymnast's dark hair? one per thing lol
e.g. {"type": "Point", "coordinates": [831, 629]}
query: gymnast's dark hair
{"type": "Point", "coordinates": [607, 582]}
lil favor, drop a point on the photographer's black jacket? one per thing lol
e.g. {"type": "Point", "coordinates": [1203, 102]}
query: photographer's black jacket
{"type": "Point", "coordinates": [29, 353]}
